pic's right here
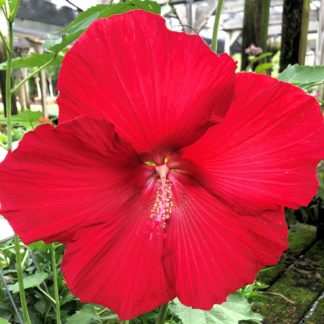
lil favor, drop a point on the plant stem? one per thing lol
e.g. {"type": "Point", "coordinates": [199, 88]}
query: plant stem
{"type": "Point", "coordinates": [21, 282]}
{"type": "Point", "coordinates": [32, 256]}
{"type": "Point", "coordinates": [216, 25]}
{"type": "Point", "coordinates": [9, 140]}
{"type": "Point", "coordinates": [163, 314]}
{"type": "Point", "coordinates": [32, 74]}
{"type": "Point", "coordinates": [56, 290]}
{"type": "Point", "coordinates": [8, 86]}
{"type": "Point", "coordinates": [47, 295]}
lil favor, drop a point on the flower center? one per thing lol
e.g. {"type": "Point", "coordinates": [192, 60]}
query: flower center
{"type": "Point", "coordinates": [163, 203]}
{"type": "Point", "coordinates": [162, 171]}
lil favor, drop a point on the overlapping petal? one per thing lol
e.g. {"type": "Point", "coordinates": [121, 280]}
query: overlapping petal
{"type": "Point", "coordinates": [119, 264]}
{"type": "Point", "coordinates": [61, 179]}
{"type": "Point", "coordinates": [159, 88]}
{"type": "Point", "coordinates": [211, 251]}
{"type": "Point", "coordinates": [265, 152]}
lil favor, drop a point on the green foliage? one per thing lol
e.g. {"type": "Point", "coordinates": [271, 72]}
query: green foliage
{"type": "Point", "coordinates": [39, 246]}
{"type": "Point", "coordinates": [85, 315]}
{"type": "Point", "coordinates": [235, 309]}
{"type": "Point", "coordinates": [56, 42]}
{"type": "Point", "coordinates": [260, 57]}
{"type": "Point", "coordinates": [3, 321]}
{"type": "Point", "coordinates": [269, 275]}
{"type": "Point", "coordinates": [13, 7]}
{"type": "Point", "coordinates": [250, 292]}
{"type": "Point", "coordinates": [300, 237]}
{"type": "Point", "coordinates": [33, 60]}
{"type": "Point", "coordinates": [321, 188]}
{"type": "Point", "coordinates": [302, 75]}
{"type": "Point", "coordinates": [38, 283]}
{"type": "Point", "coordinates": [261, 67]}
{"type": "Point", "coordinates": [27, 118]}
{"type": "Point", "coordinates": [29, 282]}
{"type": "Point", "coordinates": [103, 11]}
{"type": "Point", "coordinates": [17, 134]}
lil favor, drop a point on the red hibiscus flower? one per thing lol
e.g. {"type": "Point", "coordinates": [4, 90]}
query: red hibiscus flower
{"type": "Point", "coordinates": [153, 191]}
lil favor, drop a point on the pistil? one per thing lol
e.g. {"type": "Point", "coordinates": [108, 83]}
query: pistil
{"type": "Point", "coordinates": [163, 204]}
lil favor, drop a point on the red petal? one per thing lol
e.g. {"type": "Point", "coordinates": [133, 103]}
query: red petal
{"type": "Point", "coordinates": [115, 264]}
{"type": "Point", "coordinates": [159, 88]}
{"type": "Point", "coordinates": [213, 251]}
{"type": "Point", "coordinates": [265, 152]}
{"type": "Point", "coordinates": [60, 179]}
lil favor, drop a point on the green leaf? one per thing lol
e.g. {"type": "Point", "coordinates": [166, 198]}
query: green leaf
{"type": "Point", "coordinates": [39, 245]}
{"type": "Point", "coordinates": [3, 321]}
{"type": "Point", "coordinates": [26, 118]}
{"type": "Point", "coordinates": [300, 74]}
{"type": "Point", "coordinates": [105, 318]}
{"type": "Point", "coordinates": [58, 41]}
{"type": "Point", "coordinates": [85, 315]}
{"type": "Point", "coordinates": [41, 306]}
{"type": "Point", "coordinates": [13, 7]}
{"type": "Point", "coordinates": [103, 11]}
{"type": "Point", "coordinates": [30, 281]}
{"type": "Point", "coordinates": [262, 56]}
{"type": "Point", "coordinates": [151, 6]}
{"type": "Point", "coordinates": [1, 4]}
{"type": "Point", "coordinates": [235, 309]}
{"type": "Point", "coordinates": [84, 19]}
{"type": "Point", "coordinates": [261, 68]}
{"type": "Point", "coordinates": [34, 60]}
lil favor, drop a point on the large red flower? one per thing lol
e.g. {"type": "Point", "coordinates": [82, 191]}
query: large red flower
{"type": "Point", "coordinates": [153, 191]}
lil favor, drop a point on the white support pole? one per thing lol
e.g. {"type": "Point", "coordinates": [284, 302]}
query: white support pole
{"type": "Point", "coordinates": [319, 59]}
{"type": "Point", "coordinates": [319, 54]}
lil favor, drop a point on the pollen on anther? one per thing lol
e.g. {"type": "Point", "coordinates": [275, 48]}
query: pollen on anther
{"type": "Point", "coordinates": [162, 208]}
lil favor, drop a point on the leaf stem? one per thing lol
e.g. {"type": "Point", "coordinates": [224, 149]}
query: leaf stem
{"type": "Point", "coordinates": [163, 314]}
{"type": "Point", "coordinates": [47, 295]}
{"type": "Point", "coordinates": [33, 74]}
{"type": "Point", "coordinates": [4, 41]}
{"type": "Point", "coordinates": [216, 25]}
{"type": "Point", "coordinates": [56, 289]}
